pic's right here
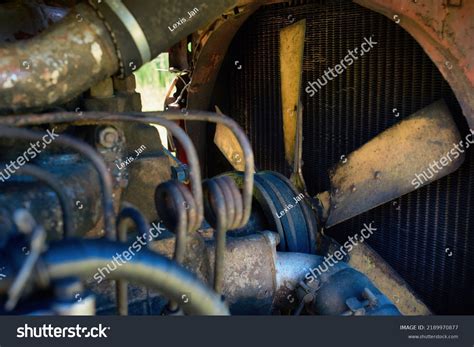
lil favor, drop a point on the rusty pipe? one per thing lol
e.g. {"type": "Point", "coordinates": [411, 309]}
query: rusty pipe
{"type": "Point", "coordinates": [93, 42]}
{"type": "Point", "coordinates": [129, 212]}
{"type": "Point", "coordinates": [58, 64]}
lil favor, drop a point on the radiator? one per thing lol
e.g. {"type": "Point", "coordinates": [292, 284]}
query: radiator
{"type": "Point", "coordinates": [425, 235]}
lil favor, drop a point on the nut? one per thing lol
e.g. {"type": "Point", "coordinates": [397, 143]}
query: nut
{"type": "Point", "coordinates": [108, 137]}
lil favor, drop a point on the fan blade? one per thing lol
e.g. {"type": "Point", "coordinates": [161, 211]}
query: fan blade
{"type": "Point", "coordinates": [291, 67]}
{"type": "Point", "coordinates": [229, 146]}
{"type": "Point", "coordinates": [395, 162]}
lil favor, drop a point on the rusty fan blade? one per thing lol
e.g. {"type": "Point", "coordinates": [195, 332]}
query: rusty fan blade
{"type": "Point", "coordinates": [396, 162]}
{"type": "Point", "coordinates": [292, 40]}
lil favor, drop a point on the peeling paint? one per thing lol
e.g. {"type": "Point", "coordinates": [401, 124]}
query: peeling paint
{"type": "Point", "coordinates": [96, 52]}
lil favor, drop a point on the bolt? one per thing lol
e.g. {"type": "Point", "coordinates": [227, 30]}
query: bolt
{"type": "Point", "coordinates": [180, 172]}
{"type": "Point", "coordinates": [108, 137]}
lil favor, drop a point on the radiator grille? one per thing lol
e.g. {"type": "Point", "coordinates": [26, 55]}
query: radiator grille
{"type": "Point", "coordinates": [417, 232]}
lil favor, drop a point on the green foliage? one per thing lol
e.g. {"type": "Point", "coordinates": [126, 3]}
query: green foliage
{"type": "Point", "coordinates": [153, 80]}
{"type": "Point", "coordinates": [152, 74]}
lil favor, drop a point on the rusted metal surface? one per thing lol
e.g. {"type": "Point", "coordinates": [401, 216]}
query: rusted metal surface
{"type": "Point", "coordinates": [113, 95]}
{"type": "Point", "coordinates": [445, 30]}
{"type": "Point", "coordinates": [224, 211]}
{"type": "Point", "coordinates": [385, 167]}
{"type": "Point", "coordinates": [103, 89]}
{"type": "Point", "coordinates": [145, 174]}
{"type": "Point", "coordinates": [211, 47]}
{"type": "Point", "coordinates": [80, 185]}
{"type": "Point", "coordinates": [249, 274]}
{"type": "Point", "coordinates": [256, 277]}
{"type": "Point", "coordinates": [178, 56]}
{"type": "Point", "coordinates": [367, 261]}
{"type": "Point", "coordinates": [291, 269]}
{"type": "Point", "coordinates": [86, 151]}
{"type": "Point", "coordinates": [58, 64]}
{"type": "Point", "coordinates": [249, 283]}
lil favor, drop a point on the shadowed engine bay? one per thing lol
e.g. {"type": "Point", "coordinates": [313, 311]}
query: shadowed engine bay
{"type": "Point", "coordinates": [316, 159]}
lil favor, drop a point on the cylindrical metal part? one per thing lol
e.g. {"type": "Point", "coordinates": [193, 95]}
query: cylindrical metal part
{"type": "Point", "coordinates": [142, 29]}
{"type": "Point", "coordinates": [83, 258]}
{"type": "Point", "coordinates": [61, 62]}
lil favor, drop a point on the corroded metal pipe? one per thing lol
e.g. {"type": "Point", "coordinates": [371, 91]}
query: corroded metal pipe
{"type": "Point", "coordinates": [93, 42]}
{"type": "Point", "coordinates": [58, 64]}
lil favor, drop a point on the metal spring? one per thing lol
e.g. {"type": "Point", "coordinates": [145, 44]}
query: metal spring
{"type": "Point", "coordinates": [177, 208]}
{"type": "Point", "coordinates": [243, 141]}
{"type": "Point", "coordinates": [129, 212]}
{"type": "Point", "coordinates": [224, 209]}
